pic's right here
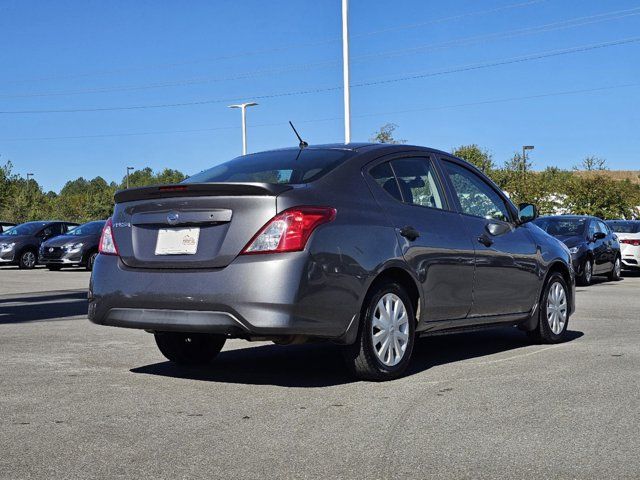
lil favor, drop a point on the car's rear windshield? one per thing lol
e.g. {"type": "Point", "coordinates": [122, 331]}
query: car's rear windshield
{"type": "Point", "coordinates": [288, 167]}
{"type": "Point", "coordinates": [91, 228]}
{"type": "Point", "coordinates": [562, 226]}
{"type": "Point", "coordinates": [28, 228]}
{"type": "Point", "coordinates": [619, 226]}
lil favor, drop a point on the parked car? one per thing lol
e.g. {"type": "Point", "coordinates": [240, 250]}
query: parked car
{"type": "Point", "coordinates": [19, 245]}
{"type": "Point", "coordinates": [594, 248]}
{"type": "Point", "coordinates": [4, 226]}
{"type": "Point", "coordinates": [363, 245]}
{"type": "Point", "coordinates": [628, 233]}
{"type": "Point", "coordinates": [77, 247]}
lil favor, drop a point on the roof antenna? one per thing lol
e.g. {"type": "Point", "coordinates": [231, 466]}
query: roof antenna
{"type": "Point", "coordinates": [302, 143]}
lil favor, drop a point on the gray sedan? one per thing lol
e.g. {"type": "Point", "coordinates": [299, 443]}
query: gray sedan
{"type": "Point", "coordinates": [366, 246]}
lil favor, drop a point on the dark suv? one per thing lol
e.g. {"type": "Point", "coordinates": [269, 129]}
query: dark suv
{"type": "Point", "coordinates": [19, 245]}
{"type": "Point", "coordinates": [595, 249]}
{"type": "Point", "coordinates": [77, 247]}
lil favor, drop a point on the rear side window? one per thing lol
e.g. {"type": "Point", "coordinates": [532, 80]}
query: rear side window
{"type": "Point", "coordinates": [289, 167]}
{"type": "Point", "coordinates": [476, 197]}
{"type": "Point", "coordinates": [417, 182]}
{"type": "Point", "coordinates": [384, 177]}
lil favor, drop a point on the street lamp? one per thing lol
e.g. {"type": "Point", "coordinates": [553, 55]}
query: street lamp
{"type": "Point", "coordinates": [128, 170]}
{"type": "Point", "coordinates": [243, 109]}
{"type": "Point", "coordinates": [524, 153]}
{"type": "Point", "coordinates": [29, 175]}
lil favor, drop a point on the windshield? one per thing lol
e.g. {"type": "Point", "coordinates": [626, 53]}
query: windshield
{"type": "Point", "coordinates": [91, 228]}
{"type": "Point", "coordinates": [624, 226]}
{"type": "Point", "coordinates": [562, 226]}
{"type": "Point", "coordinates": [289, 167]}
{"type": "Point", "coordinates": [29, 228]}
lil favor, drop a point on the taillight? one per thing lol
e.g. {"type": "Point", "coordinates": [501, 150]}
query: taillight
{"type": "Point", "coordinates": [629, 241]}
{"type": "Point", "coordinates": [289, 231]}
{"type": "Point", "coordinates": [107, 245]}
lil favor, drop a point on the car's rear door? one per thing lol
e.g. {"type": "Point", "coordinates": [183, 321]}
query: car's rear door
{"type": "Point", "coordinates": [507, 267]}
{"type": "Point", "coordinates": [430, 233]}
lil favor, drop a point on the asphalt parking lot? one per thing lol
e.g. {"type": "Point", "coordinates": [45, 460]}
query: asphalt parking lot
{"type": "Point", "coordinates": [84, 401]}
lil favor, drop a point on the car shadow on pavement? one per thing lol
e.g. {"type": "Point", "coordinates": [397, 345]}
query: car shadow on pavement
{"type": "Point", "coordinates": [49, 306]}
{"type": "Point", "coordinates": [321, 365]}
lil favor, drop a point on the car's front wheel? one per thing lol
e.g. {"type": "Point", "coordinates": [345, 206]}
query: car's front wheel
{"type": "Point", "coordinates": [28, 259]}
{"type": "Point", "coordinates": [616, 271]}
{"type": "Point", "coordinates": [553, 315]}
{"type": "Point", "coordinates": [587, 273]}
{"type": "Point", "coordinates": [189, 348]}
{"type": "Point", "coordinates": [382, 350]}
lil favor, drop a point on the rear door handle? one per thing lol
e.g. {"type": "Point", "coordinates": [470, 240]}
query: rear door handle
{"type": "Point", "coordinates": [485, 240]}
{"type": "Point", "coordinates": [409, 233]}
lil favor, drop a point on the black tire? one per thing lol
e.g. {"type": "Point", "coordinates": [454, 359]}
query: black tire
{"type": "Point", "coordinates": [28, 259]}
{"type": "Point", "coordinates": [586, 277]}
{"type": "Point", "coordinates": [616, 272]}
{"type": "Point", "coordinates": [54, 268]}
{"type": "Point", "coordinates": [543, 332]}
{"type": "Point", "coordinates": [360, 357]}
{"type": "Point", "coordinates": [91, 259]}
{"type": "Point", "coordinates": [189, 348]}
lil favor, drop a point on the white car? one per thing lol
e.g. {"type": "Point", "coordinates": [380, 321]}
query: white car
{"type": "Point", "coordinates": [628, 232]}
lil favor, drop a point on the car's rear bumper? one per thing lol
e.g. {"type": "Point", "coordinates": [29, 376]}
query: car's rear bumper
{"type": "Point", "coordinates": [287, 294]}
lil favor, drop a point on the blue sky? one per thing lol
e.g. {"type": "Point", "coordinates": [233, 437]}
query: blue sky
{"type": "Point", "coordinates": [103, 56]}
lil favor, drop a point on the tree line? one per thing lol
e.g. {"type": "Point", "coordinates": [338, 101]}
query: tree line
{"type": "Point", "coordinates": [80, 200]}
{"type": "Point", "coordinates": [587, 189]}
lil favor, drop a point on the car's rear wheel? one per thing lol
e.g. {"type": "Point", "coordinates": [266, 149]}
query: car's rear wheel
{"type": "Point", "coordinates": [91, 259]}
{"type": "Point", "coordinates": [189, 348]}
{"type": "Point", "coordinates": [28, 259]}
{"type": "Point", "coordinates": [382, 350]}
{"type": "Point", "coordinates": [587, 273]}
{"type": "Point", "coordinates": [553, 313]}
{"type": "Point", "coordinates": [616, 271]}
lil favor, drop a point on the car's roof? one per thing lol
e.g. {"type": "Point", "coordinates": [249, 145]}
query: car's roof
{"type": "Point", "coordinates": [360, 146]}
{"type": "Point", "coordinates": [622, 220]}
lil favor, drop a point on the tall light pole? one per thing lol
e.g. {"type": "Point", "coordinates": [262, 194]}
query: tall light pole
{"type": "Point", "coordinates": [524, 153]}
{"type": "Point", "coordinates": [345, 71]}
{"type": "Point", "coordinates": [243, 109]}
{"type": "Point", "coordinates": [29, 175]}
{"type": "Point", "coordinates": [128, 170]}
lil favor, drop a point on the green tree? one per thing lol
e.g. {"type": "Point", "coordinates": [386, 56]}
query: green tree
{"type": "Point", "coordinates": [385, 134]}
{"type": "Point", "coordinates": [476, 156]}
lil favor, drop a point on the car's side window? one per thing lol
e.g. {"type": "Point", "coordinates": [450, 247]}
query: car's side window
{"type": "Point", "coordinates": [417, 182]}
{"type": "Point", "coordinates": [476, 197]}
{"type": "Point", "coordinates": [603, 228]}
{"type": "Point", "coordinates": [383, 175]}
{"type": "Point", "coordinates": [592, 229]}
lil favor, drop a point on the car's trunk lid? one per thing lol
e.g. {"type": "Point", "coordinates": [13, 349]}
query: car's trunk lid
{"type": "Point", "coordinates": [223, 216]}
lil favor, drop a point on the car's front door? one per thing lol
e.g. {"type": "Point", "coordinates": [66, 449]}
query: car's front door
{"type": "Point", "coordinates": [430, 233]}
{"type": "Point", "coordinates": [607, 243]}
{"type": "Point", "coordinates": [598, 247]}
{"type": "Point", "coordinates": [507, 264]}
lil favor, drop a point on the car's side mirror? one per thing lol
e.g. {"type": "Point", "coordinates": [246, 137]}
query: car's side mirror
{"type": "Point", "coordinates": [527, 212]}
{"type": "Point", "coordinates": [599, 235]}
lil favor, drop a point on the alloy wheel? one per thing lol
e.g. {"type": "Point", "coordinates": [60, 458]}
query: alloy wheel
{"type": "Point", "coordinates": [557, 307]}
{"type": "Point", "coordinates": [617, 268]}
{"type": "Point", "coordinates": [390, 330]}
{"type": "Point", "coordinates": [29, 259]}
{"type": "Point", "coordinates": [588, 269]}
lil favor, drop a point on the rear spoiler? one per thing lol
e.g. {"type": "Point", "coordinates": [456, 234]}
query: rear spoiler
{"type": "Point", "coordinates": [200, 190]}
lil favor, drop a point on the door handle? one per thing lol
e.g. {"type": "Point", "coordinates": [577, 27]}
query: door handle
{"type": "Point", "coordinates": [409, 233]}
{"type": "Point", "coordinates": [485, 240]}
